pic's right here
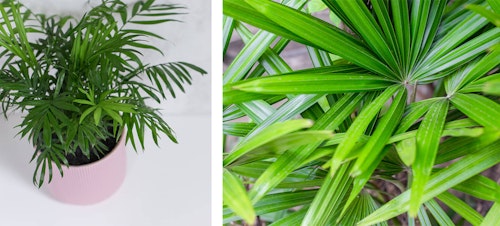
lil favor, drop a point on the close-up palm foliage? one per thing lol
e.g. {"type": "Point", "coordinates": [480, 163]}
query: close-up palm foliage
{"type": "Point", "coordinates": [82, 82]}
{"type": "Point", "coordinates": [348, 141]}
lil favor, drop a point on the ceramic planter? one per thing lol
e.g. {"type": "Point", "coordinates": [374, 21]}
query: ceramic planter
{"type": "Point", "coordinates": [93, 182]}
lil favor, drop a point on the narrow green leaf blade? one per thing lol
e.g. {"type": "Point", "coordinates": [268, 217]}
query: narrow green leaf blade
{"type": "Point", "coordinates": [314, 84]}
{"type": "Point", "coordinates": [278, 146]}
{"type": "Point", "coordinates": [428, 136]}
{"type": "Point", "coordinates": [359, 126]}
{"type": "Point", "coordinates": [367, 26]}
{"type": "Point", "coordinates": [407, 150]}
{"type": "Point", "coordinates": [479, 108]}
{"type": "Point", "coordinates": [492, 87]}
{"type": "Point", "coordinates": [439, 214]}
{"type": "Point", "coordinates": [491, 218]}
{"type": "Point", "coordinates": [248, 56]}
{"type": "Point", "coordinates": [242, 11]}
{"type": "Point", "coordinates": [488, 14]}
{"type": "Point", "coordinates": [270, 133]}
{"type": "Point", "coordinates": [330, 196]}
{"type": "Point", "coordinates": [276, 202]}
{"type": "Point", "coordinates": [321, 34]}
{"type": "Point", "coordinates": [481, 187]}
{"type": "Point", "coordinates": [294, 158]}
{"type": "Point", "coordinates": [452, 175]}
{"type": "Point", "coordinates": [461, 208]}
{"type": "Point", "coordinates": [413, 113]}
{"type": "Point", "coordinates": [235, 196]}
{"type": "Point", "coordinates": [381, 135]}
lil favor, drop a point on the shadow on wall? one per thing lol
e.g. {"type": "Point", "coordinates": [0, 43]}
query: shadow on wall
{"type": "Point", "coordinates": [15, 153]}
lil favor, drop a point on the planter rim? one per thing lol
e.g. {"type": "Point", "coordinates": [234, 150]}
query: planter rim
{"type": "Point", "coordinates": [122, 137]}
{"type": "Point", "coordinates": [94, 182]}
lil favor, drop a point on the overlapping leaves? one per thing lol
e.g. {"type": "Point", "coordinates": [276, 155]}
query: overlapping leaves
{"type": "Point", "coordinates": [79, 79]}
{"type": "Point", "coordinates": [391, 49]}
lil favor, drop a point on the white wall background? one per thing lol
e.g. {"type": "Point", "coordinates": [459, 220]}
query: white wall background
{"type": "Point", "coordinates": [187, 41]}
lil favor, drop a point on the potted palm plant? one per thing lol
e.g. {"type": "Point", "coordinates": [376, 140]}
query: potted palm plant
{"type": "Point", "coordinates": [83, 87]}
{"type": "Point", "coordinates": [346, 141]}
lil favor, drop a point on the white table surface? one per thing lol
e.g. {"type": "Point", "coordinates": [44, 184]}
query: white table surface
{"type": "Point", "coordinates": [166, 185]}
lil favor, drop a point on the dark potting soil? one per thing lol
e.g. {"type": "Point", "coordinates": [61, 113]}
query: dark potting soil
{"type": "Point", "coordinates": [80, 159]}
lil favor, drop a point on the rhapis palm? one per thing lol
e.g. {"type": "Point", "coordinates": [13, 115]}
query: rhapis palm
{"type": "Point", "coordinates": [361, 128]}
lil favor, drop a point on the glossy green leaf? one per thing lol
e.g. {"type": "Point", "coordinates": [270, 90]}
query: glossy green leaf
{"type": "Point", "coordinates": [427, 139]}
{"type": "Point", "coordinates": [479, 108]}
{"type": "Point", "coordinates": [464, 132]}
{"type": "Point", "coordinates": [359, 126]}
{"type": "Point", "coordinates": [420, 11]}
{"type": "Point", "coordinates": [270, 61]}
{"type": "Point", "coordinates": [423, 217]}
{"type": "Point", "coordinates": [382, 10]}
{"type": "Point", "coordinates": [270, 133]}
{"type": "Point", "coordinates": [461, 208]}
{"type": "Point", "coordinates": [438, 213]}
{"type": "Point", "coordinates": [227, 28]}
{"type": "Point", "coordinates": [242, 11]}
{"type": "Point", "coordinates": [97, 115]}
{"type": "Point", "coordinates": [458, 56]}
{"type": "Point", "coordinates": [304, 25]}
{"type": "Point", "coordinates": [381, 135]}
{"type": "Point", "coordinates": [255, 169]}
{"type": "Point", "coordinates": [278, 146]}
{"type": "Point", "coordinates": [366, 25]}
{"type": "Point", "coordinates": [464, 29]}
{"type": "Point", "coordinates": [481, 187]}
{"type": "Point", "coordinates": [466, 77]}
{"type": "Point", "coordinates": [440, 181]}
{"type": "Point", "coordinates": [294, 158]}
{"type": "Point", "coordinates": [289, 110]}
{"type": "Point", "coordinates": [360, 208]}
{"type": "Point", "coordinates": [314, 84]}
{"type": "Point", "coordinates": [495, 5]}
{"type": "Point", "coordinates": [407, 149]}
{"type": "Point", "coordinates": [488, 14]}
{"type": "Point", "coordinates": [330, 196]}
{"type": "Point", "coordinates": [239, 129]}
{"type": "Point", "coordinates": [360, 181]}
{"type": "Point", "coordinates": [257, 110]}
{"type": "Point", "coordinates": [292, 218]}
{"type": "Point", "coordinates": [492, 87]}
{"type": "Point", "coordinates": [248, 57]}
{"type": "Point", "coordinates": [454, 148]}
{"type": "Point", "coordinates": [232, 96]}
{"type": "Point", "coordinates": [485, 64]}
{"type": "Point", "coordinates": [491, 217]}
{"type": "Point", "coordinates": [478, 85]}
{"type": "Point", "coordinates": [413, 113]}
{"type": "Point", "coordinates": [401, 19]}
{"type": "Point", "coordinates": [235, 196]}
{"type": "Point", "coordinates": [276, 202]}
{"type": "Point", "coordinates": [432, 26]}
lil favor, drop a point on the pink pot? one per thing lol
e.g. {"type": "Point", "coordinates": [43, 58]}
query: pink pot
{"type": "Point", "coordinates": [91, 183]}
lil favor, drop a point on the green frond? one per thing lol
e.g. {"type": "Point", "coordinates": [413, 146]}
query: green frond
{"type": "Point", "coordinates": [79, 79]}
